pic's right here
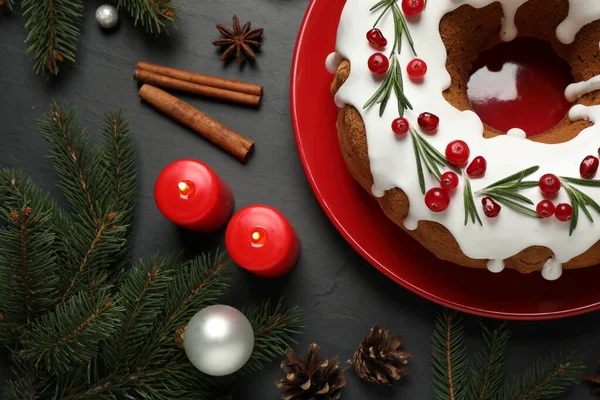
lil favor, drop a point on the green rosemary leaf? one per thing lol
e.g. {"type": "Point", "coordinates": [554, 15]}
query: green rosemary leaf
{"type": "Point", "coordinates": [401, 107]}
{"type": "Point", "coordinates": [580, 201]}
{"type": "Point", "coordinates": [419, 165]}
{"type": "Point", "coordinates": [519, 176]}
{"type": "Point", "coordinates": [380, 4]}
{"type": "Point", "coordinates": [589, 201]}
{"type": "Point", "coordinates": [528, 184]}
{"type": "Point", "coordinates": [404, 25]}
{"type": "Point", "coordinates": [506, 193]}
{"type": "Point", "coordinates": [575, 217]}
{"type": "Point", "coordinates": [515, 206]}
{"type": "Point", "coordinates": [430, 163]}
{"type": "Point", "coordinates": [470, 208]}
{"type": "Point", "coordinates": [582, 182]}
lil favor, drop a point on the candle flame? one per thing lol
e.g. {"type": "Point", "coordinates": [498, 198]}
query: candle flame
{"type": "Point", "coordinates": [186, 189]}
{"type": "Point", "coordinates": [258, 237]}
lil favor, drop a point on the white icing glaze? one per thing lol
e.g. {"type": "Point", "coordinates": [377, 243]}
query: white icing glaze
{"type": "Point", "coordinates": [393, 162]}
{"type": "Point", "coordinates": [332, 62]}
{"type": "Point", "coordinates": [517, 133]}
{"type": "Point", "coordinates": [552, 270]}
{"type": "Point", "coordinates": [495, 266]}
{"type": "Point", "coordinates": [578, 89]}
{"type": "Point", "coordinates": [581, 13]}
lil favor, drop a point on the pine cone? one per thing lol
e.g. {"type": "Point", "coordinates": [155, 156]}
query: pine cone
{"type": "Point", "coordinates": [311, 378]}
{"type": "Point", "coordinates": [378, 358]}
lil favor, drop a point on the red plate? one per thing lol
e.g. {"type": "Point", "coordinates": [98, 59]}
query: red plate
{"type": "Point", "coordinates": [357, 216]}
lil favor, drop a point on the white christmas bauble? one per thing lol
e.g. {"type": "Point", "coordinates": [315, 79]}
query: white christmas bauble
{"type": "Point", "coordinates": [107, 16]}
{"type": "Point", "coordinates": [219, 340]}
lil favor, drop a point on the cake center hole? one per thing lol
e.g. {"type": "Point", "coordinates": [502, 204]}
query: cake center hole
{"type": "Point", "coordinates": [520, 84]}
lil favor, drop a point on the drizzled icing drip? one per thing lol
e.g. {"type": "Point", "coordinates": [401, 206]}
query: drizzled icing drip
{"type": "Point", "coordinates": [410, 223]}
{"type": "Point", "coordinates": [509, 29]}
{"type": "Point", "coordinates": [495, 266]}
{"type": "Point", "coordinates": [332, 62]}
{"type": "Point", "coordinates": [552, 270]}
{"type": "Point", "coordinates": [581, 13]}
{"type": "Point", "coordinates": [392, 161]}
{"type": "Point", "coordinates": [517, 132]}
{"type": "Point", "coordinates": [576, 90]}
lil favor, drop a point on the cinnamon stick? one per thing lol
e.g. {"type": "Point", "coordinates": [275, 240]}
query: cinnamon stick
{"type": "Point", "coordinates": [234, 143]}
{"type": "Point", "coordinates": [144, 76]}
{"type": "Point", "coordinates": [201, 79]}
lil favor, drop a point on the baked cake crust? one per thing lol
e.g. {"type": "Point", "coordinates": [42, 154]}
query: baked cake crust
{"type": "Point", "coordinates": [466, 32]}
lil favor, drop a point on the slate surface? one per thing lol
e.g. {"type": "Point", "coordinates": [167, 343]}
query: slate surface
{"type": "Point", "coordinates": [341, 294]}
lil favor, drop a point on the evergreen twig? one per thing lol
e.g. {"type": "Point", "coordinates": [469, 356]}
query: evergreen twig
{"type": "Point", "coordinates": [153, 15]}
{"type": "Point", "coordinates": [273, 326]}
{"type": "Point", "coordinates": [546, 379]}
{"type": "Point", "coordinates": [450, 365]}
{"type": "Point", "coordinates": [10, 4]}
{"type": "Point", "coordinates": [52, 32]}
{"type": "Point", "coordinates": [54, 341]}
{"type": "Point", "coordinates": [487, 372]}
{"type": "Point", "coordinates": [580, 200]}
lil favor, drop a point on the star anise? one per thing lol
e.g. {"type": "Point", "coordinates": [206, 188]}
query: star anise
{"type": "Point", "coordinates": [239, 42]}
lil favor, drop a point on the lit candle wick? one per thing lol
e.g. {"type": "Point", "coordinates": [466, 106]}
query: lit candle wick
{"type": "Point", "coordinates": [258, 237]}
{"type": "Point", "coordinates": [186, 189]}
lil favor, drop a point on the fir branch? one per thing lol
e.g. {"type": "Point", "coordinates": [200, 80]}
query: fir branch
{"type": "Point", "coordinates": [546, 379]}
{"type": "Point", "coordinates": [77, 171]}
{"type": "Point", "coordinates": [119, 175]}
{"type": "Point", "coordinates": [52, 32]}
{"type": "Point", "coordinates": [449, 357]}
{"type": "Point", "coordinates": [29, 267]}
{"type": "Point", "coordinates": [68, 337]}
{"type": "Point", "coordinates": [197, 284]}
{"type": "Point", "coordinates": [10, 4]}
{"type": "Point", "coordinates": [104, 242]}
{"type": "Point", "coordinates": [142, 291]}
{"type": "Point", "coordinates": [9, 333]}
{"type": "Point", "coordinates": [153, 15]}
{"type": "Point", "coordinates": [487, 373]}
{"type": "Point", "coordinates": [272, 329]}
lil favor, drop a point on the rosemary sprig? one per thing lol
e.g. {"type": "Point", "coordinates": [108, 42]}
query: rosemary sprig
{"type": "Point", "coordinates": [580, 200]}
{"type": "Point", "coordinates": [400, 25]}
{"type": "Point", "coordinates": [426, 154]}
{"type": "Point", "coordinates": [505, 192]}
{"type": "Point", "coordinates": [392, 82]}
{"type": "Point", "coordinates": [470, 208]}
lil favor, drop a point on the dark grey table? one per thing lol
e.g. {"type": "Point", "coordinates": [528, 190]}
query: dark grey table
{"type": "Point", "coordinates": [341, 294]}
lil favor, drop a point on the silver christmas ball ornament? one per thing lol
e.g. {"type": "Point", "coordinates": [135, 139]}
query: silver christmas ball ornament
{"type": "Point", "coordinates": [107, 16]}
{"type": "Point", "coordinates": [219, 340]}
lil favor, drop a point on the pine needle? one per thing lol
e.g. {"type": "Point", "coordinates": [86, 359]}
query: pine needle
{"type": "Point", "coordinates": [52, 32]}
{"type": "Point", "coordinates": [450, 365]}
{"type": "Point", "coordinates": [545, 379]}
{"type": "Point", "coordinates": [153, 15]}
{"type": "Point", "coordinates": [54, 342]}
{"type": "Point", "coordinates": [273, 326]}
{"type": "Point", "coordinates": [487, 372]}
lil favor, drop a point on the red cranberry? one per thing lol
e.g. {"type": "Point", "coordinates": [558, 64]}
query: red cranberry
{"type": "Point", "coordinates": [416, 69]}
{"type": "Point", "coordinates": [437, 200]}
{"type": "Point", "coordinates": [545, 209]}
{"type": "Point", "coordinates": [428, 122]}
{"type": "Point", "coordinates": [589, 167]}
{"type": "Point", "coordinates": [379, 63]}
{"type": "Point", "coordinates": [490, 207]}
{"type": "Point", "coordinates": [458, 152]}
{"type": "Point", "coordinates": [376, 38]}
{"type": "Point", "coordinates": [564, 212]}
{"type": "Point", "coordinates": [449, 181]}
{"type": "Point", "coordinates": [549, 184]}
{"type": "Point", "coordinates": [413, 7]}
{"type": "Point", "coordinates": [477, 168]}
{"type": "Point", "coordinates": [400, 126]}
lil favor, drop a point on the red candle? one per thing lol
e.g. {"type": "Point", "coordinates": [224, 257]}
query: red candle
{"type": "Point", "coordinates": [260, 239]}
{"type": "Point", "coordinates": [189, 193]}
